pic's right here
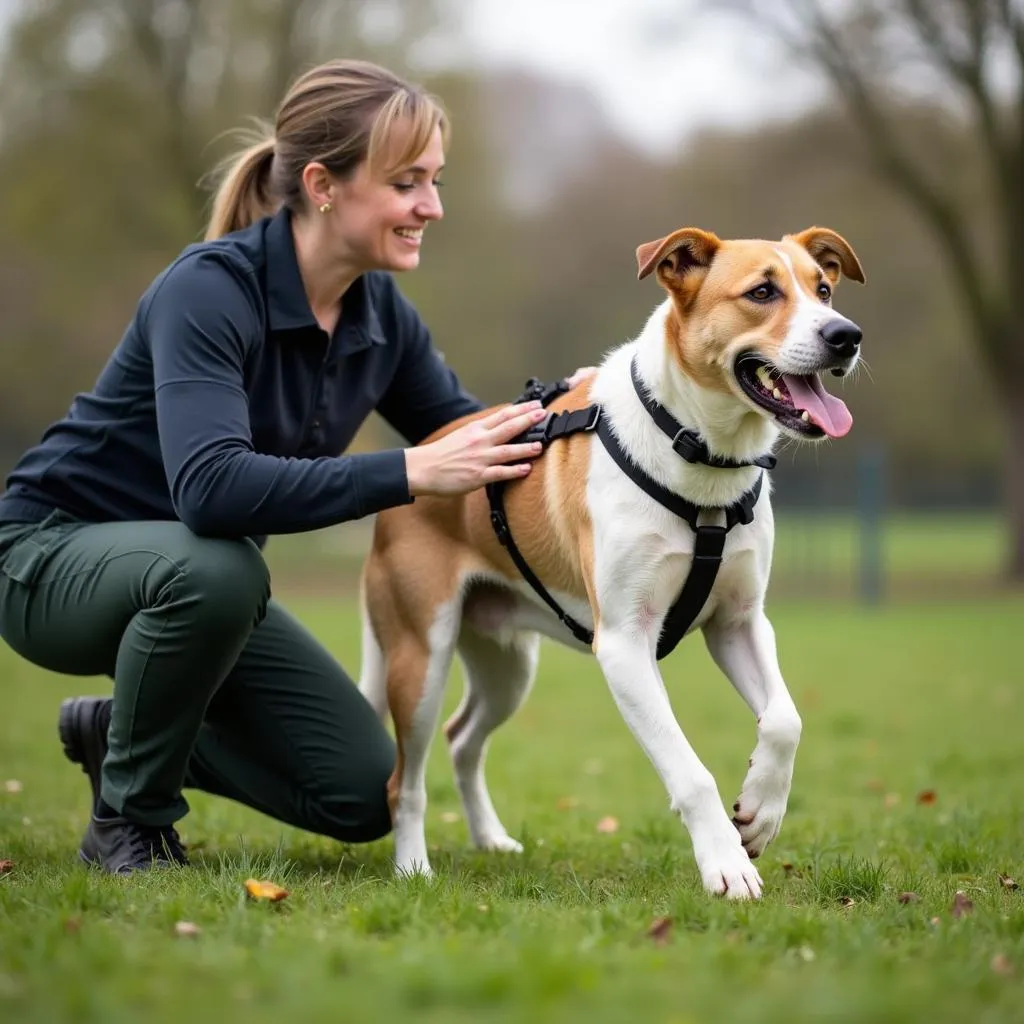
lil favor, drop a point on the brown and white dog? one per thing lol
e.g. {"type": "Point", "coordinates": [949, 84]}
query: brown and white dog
{"type": "Point", "coordinates": [734, 351]}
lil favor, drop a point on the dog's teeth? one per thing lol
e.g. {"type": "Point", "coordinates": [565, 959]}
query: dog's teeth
{"type": "Point", "coordinates": [765, 377]}
{"type": "Point", "coordinates": [776, 394]}
{"type": "Point", "coordinates": [805, 416]}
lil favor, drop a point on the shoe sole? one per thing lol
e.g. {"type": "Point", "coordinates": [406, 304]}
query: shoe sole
{"type": "Point", "coordinates": [72, 730]}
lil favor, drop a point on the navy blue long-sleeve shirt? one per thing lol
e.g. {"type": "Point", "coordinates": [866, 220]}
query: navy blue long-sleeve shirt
{"type": "Point", "coordinates": [226, 405]}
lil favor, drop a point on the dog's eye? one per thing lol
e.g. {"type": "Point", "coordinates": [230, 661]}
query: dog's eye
{"type": "Point", "coordinates": [763, 292]}
{"type": "Point", "coordinates": [824, 292]}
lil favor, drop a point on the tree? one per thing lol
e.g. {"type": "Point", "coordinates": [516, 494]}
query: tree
{"type": "Point", "coordinates": [965, 57]}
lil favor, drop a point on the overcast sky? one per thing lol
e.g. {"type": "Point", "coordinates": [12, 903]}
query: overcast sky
{"type": "Point", "coordinates": [660, 68]}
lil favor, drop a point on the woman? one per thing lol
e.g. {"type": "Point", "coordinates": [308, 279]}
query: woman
{"type": "Point", "coordinates": [130, 535]}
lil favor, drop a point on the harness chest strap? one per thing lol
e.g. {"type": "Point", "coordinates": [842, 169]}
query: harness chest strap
{"type": "Point", "coordinates": [709, 541]}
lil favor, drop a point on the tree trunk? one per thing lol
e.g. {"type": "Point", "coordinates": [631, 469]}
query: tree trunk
{"type": "Point", "coordinates": [1013, 475]}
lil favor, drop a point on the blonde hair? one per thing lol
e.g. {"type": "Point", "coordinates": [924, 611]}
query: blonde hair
{"type": "Point", "coordinates": [338, 114]}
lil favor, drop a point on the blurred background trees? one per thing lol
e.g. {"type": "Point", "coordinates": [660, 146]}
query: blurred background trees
{"type": "Point", "coordinates": [112, 111]}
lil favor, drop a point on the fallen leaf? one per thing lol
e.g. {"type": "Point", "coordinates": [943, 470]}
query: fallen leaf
{"type": "Point", "coordinates": [186, 930]}
{"type": "Point", "coordinates": [962, 904]}
{"type": "Point", "coordinates": [908, 897]}
{"type": "Point", "coordinates": [927, 797]}
{"type": "Point", "coordinates": [450, 817]}
{"type": "Point", "coordinates": [791, 870]}
{"type": "Point", "coordinates": [1007, 882]}
{"type": "Point", "coordinates": [608, 824]}
{"type": "Point", "coordinates": [660, 930]}
{"type": "Point", "coordinates": [6, 867]}
{"type": "Point", "coordinates": [13, 786]}
{"type": "Point", "coordinates": [1001, 964]}
{"type": "Point", "coordinates": [265, 891]}
{"type": "Point", "coordinates": [72, 925]}
{"type": "Point", "coordinates": [566, 803]}
{"type": "Point", "coordinates": [847, 901]}
{"type": "Point", "coordinates": [891, 799]}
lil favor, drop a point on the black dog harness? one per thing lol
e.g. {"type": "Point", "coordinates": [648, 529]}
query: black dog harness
{"type": "Point", "coordinates": [709, 540]}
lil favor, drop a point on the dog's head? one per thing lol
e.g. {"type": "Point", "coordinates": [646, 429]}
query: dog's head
{"type": "Point", "coordinates": [754, 318]}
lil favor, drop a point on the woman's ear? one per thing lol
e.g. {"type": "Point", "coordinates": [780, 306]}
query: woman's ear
{"type": "Point", "coordinates": [318, 185]}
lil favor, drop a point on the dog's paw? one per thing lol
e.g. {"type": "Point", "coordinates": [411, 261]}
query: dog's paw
{"type": "Point", "coordinates": [761, 806]}
{"type": "Point", "coordinates": [410, 867]}
{"type": "Point", "coordinates": [500, 842]}
{"type": "Point", "coordinates": [727, 871]}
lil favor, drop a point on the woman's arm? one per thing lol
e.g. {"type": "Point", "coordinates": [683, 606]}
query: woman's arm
{"type": "Point", "coordinates": [201, 321]}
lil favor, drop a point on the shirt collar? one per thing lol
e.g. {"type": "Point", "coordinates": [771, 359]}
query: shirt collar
{"type": "Point", "coordinates": [287, 305]}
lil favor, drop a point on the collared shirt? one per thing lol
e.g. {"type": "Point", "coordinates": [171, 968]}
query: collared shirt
{"type": "Point", "coordinates": [226, 406]}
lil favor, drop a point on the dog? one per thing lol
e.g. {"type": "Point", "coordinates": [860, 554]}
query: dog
{"type": "Point", "coordinates": [733, 355]}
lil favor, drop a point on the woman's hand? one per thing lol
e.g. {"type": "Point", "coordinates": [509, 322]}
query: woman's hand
{"type": "Point", "coordinates": [475, 454]}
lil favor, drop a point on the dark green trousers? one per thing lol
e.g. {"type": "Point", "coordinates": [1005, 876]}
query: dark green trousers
{"type": "Point", "coordinates": [216, 686]}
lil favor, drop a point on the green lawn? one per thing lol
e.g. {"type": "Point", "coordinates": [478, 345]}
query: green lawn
{"type": "Point", "coordinates": [895, 702]}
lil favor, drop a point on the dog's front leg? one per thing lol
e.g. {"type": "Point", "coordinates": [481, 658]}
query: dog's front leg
{"type": "Point", "coordinates": [745, 651]}
{"type": "Point", "coordinates": [627, 660]}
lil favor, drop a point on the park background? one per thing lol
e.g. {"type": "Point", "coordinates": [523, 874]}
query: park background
{"type": "Point", "coordinates": [582, 128]}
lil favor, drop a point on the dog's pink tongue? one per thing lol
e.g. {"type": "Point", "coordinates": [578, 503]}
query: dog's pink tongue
{"type": "Point", "coordinates": [827, 411]}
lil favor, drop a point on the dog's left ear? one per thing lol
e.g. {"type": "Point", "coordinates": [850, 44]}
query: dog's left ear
{"type": "Point", "coordinates": [677, 253]}
{"type": "Point", "coordinates": [832, 252]}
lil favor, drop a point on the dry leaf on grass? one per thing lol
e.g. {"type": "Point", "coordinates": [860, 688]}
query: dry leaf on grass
{"type": "Point", "coordinates": [962, 904]}
{"type": "Point", "coordinates": [608, 824]}
{"type": "Point", "coordinates": [1001, 964]}
{"type": "Point", "coordinates": [6, 867]}
{"type": "Point", "coordinates": [660, 930]}
{"type": "Point", "coordinates": [13, 786]}
{"type": "Point", "coordinates": [927, 797]}
{"type": "Point", "coordinates": [1007, 882]}
{"type": "Point", "coordinates": [72, 925]}
{"type": "Point", "coordinates": [908, 897]}
{"type": "Point", "coordinates": [267, 891]}
{"type": "Point", "coordinates": [846, 902]}
{"type": "Point", "coordinates": [186, 929]}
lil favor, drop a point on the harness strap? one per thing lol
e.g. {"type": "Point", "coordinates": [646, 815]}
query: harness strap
{"type": "Point", "coordinates": [686, 443]}
{"type": "Point", "coordinates": [561, 424]}
{"type": "Point", "coordinates": [709, 542]}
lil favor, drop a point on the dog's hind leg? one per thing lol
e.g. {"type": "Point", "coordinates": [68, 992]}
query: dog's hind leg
{"type": "Point", "coordinates": [373, 677]}
{"type": "Point", "coordinates": [745, 651]}
{"type": "Point", "coordinates": [499, 674]}
{"type": "Point", "coordinates": [417, 670]}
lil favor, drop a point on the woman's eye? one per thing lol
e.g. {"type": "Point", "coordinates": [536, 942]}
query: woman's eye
{"type": "Point", "coordinates": [762, 293]}
{"type": "Point", "coordinates": [403, 186]}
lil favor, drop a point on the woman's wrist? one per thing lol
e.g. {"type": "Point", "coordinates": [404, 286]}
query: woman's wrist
{"type": "Point", "coordinates": [416, 470]}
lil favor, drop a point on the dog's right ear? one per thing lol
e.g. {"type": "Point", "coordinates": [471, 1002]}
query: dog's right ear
{"type": "Point", "coordinates": [678, 253]}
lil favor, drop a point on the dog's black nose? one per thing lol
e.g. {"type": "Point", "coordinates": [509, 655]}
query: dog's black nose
{"type": "Point", "coordinates": [842, 336]}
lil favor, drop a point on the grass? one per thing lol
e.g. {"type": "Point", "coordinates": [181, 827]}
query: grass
{"type": "Point", "coordinates": [896, 702]}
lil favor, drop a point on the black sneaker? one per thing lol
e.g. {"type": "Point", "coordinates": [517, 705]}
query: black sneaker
{"type": "Point", "coordinates": [121, 846]}
{"type": "Point", "coordinates": [83, 726]}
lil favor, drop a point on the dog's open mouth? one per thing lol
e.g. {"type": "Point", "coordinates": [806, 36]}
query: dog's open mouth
{"type": "Point", "coordinates": [799, 403]}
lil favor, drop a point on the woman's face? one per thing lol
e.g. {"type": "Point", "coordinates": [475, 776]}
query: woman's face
{"type": "Point", "coordinates": [378, 219]}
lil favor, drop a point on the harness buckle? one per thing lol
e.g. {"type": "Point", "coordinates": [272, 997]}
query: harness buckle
{"type": "Point", "coordinates": [500, 525]}
{"type": "Point", "coordinates": [709, 543]}
{"type": "Point", "coordinates": [688, 446]}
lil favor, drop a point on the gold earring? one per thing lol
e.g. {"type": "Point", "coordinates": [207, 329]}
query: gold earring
{"type": "Point", "coordinates": [325, 207]}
